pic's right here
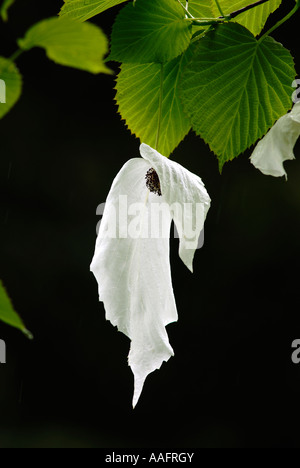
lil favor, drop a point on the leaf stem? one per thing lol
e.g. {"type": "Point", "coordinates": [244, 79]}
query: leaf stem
{"type": "Point", "coordinates": [219, 8]}
{"type": "Point", "coordinates": [27, 333]}
{"type": "Point", "coordinates": [279, 23]}
{"type": "Point", "coordinates": [16, 55]}
{"type": "Point", "coordinates": [188, 14]}
{"type": "Point", "coordinates": [187, 7]}
{"type": "Point", "coordinates": [160, 105]}
{"type": "Point", "coordinates": [206, 21]}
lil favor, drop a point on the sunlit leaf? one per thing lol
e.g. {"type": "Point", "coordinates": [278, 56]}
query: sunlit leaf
{"type": "Point", "coordinates": [150, 31]}
{"type": "Point", "coordinates": [201, 8]}
{"type": "Point", "coordinates": [235, 88]}
{"type": "Point", "coordinates": [83, 10]}
{"type": "Point", "coordinates": [67, 42]}
{"type": "Point", "coordinates": [253, 19]}
{"type": "Point", "coordinates": [10, 85]}
{"type": "Point", "coordinates": [138, 91]}
{"type": "Point", "coordinates": [6, 4]}
{"type": "Point", "coordinates": [8, 314]}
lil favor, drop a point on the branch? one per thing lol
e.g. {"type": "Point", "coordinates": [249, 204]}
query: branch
{"type": "Point", "coordinates": [213, 21]}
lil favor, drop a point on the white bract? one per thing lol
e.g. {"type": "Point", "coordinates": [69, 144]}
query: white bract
{"type": "Point", "coordinates": [131, 262]}
{"type": "Point", "coordinates": [277, 146]}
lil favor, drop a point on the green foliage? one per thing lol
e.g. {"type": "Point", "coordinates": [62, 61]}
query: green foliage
{"type": "Point", "coordinates": [138, 91]}
{"type": "Point", "coordinates": [201, 8]}
{"type": "Point", "coordinates": [78, 45]}
{"type": "Point", "coordinates": [83, 10]}
{"type": "Point", "coordinates": [150, 31]}
{"type": "Point", "coordinates": [232, 90]}
{"type": "Point", "coordinates": [8, 314]}
{"type": "Point", "coordinates": [235, 88]}
{"type": "Point", "coordinates": [253, 19]}
{"type": "Point", "coordinates": [6, 4]}
{"type": "Point", "coordinates": [13, 84]}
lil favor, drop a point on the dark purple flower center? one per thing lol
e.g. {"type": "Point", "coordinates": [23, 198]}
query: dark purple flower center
{"type": "Point", "coordinates": [152, 182]}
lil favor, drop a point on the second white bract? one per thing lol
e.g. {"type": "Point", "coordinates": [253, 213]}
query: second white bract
{"type": "Point", "coordinates": [131, 261]}
{"type": "Point", "coordinates": [278, 144]}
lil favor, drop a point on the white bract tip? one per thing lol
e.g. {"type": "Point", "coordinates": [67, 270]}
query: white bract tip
{"type": "Point", "coordinates": [278, 144]}
{"type": "Point", "coordinates": [131, 261]}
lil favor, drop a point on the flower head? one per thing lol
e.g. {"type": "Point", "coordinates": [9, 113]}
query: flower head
{"type": "Point", "coordinates": [131, 261]}
{"type": "Point", "coordinates": [277, 146]}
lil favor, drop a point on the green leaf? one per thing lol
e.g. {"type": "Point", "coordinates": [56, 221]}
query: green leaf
{"type": "Point", "coordinates": [201, 8]}
{"type": "Point", "coordinates": [10, 85]}
{"type": "Point", "coordinates": [78, 45]}
{"type": "Point", "coordinates": [150, 31]}
{"type": "Point", "coordinates": [6, 4]}
{"type": "Point", "coordinates": [254, 19]}
{"type": "Point", "coordinates": [235, 88]}
{"type": "Point", "coordinates": [8, 314]}
{"type": "Point", "coordinates": [138, 91]}
{"type": "Point", "coordinates": [83, 10]}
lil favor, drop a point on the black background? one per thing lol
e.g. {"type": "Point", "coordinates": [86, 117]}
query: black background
{"type": "Point", "coordinates": [232, 382]}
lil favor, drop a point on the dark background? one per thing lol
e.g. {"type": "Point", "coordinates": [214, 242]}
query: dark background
{"type": "Point", "coordinates": [231, 382]}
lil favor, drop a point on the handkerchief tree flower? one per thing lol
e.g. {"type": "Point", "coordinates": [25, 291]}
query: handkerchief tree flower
{"type": "Point", "coordinates": [278, 145]}
{"type": "Point", "coordinates": [132, 266]}
{"type": "Point", "coordinates": [206, 66]}
{"type": "Point", "coordinates": [170, 81]}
